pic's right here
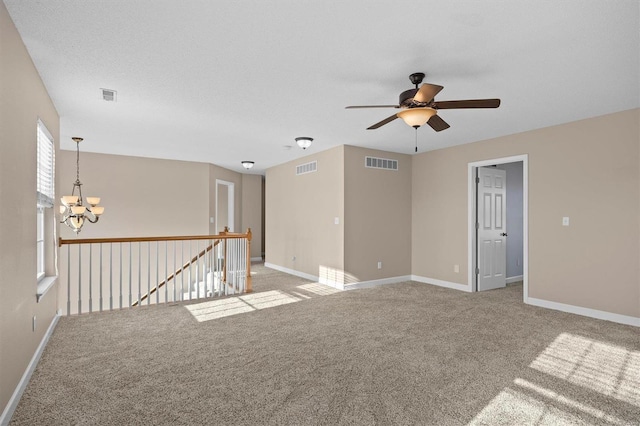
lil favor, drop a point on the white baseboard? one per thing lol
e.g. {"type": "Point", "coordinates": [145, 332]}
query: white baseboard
{"type": "Point", "coordinates": [374, 283]}
{"type": "Point", "coordinates": [291, 272]}
{"type": "Point", "coordinates": [256, 259]}
{"type": "Point", "coordinates": [515, 279]}
{"type": "Point", "coordinates": [336, 284]}
{"type": "Point", "coordinates": [587, 312]}
{"type": "Point", "coordinates": [441, 283]}
{"type": "Point", "coordinates": [5, 418]}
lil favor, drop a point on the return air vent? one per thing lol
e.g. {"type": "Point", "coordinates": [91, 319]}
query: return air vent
{"type": "Point", "coordinates": [307, 168]}
{"type": "Point", "coordinates": [380, 163]}
{"type": "Point", "coordinates": [109, 95]}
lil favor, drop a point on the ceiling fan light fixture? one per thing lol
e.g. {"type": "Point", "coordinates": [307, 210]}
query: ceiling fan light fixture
{"type": "Point", "coordinates": [304, 142]}
{"type": "Point", "coordinates": [416, 117]}
{"type": "Point", "coordinates": [247, 164]}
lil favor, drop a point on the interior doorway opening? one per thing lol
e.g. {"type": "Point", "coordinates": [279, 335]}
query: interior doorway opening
{"type": "Point", "coordinates": [516, 238]}
{"type": "Point", "coordinates": [225, 202]}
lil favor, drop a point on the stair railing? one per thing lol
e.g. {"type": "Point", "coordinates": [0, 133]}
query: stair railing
{"type": "Point", "coordinates": [177, 272]}
{"type": "Point", "coordinates": [112, 273]}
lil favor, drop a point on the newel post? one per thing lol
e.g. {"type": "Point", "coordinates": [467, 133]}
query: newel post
{"type": "Point", "coordinates": [249, 289]}
{"type": "Point", "coordinates": [224, 259]}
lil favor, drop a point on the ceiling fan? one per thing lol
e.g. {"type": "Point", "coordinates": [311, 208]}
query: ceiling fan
{"type": "Point", "coordinates": [418, 106]}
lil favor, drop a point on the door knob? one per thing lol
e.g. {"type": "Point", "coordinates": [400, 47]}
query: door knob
{"type": "Point", "coordinates": [504, 234]}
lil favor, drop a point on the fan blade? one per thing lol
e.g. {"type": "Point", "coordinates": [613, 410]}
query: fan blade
{"type": "Point", "coordinates": [471, 103]}
{"type": "Point", "coordinates": [383, 122]}
{"type": "Point", "coordinates": [372, 106]}
{"type": "Point", "coordinates": [437, 123]}
{"type": "Point", "coordinates": [427, 92]}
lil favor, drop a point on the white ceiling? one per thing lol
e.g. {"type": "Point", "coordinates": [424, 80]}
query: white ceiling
{"type": "Point", "coordinates": [225, 81]}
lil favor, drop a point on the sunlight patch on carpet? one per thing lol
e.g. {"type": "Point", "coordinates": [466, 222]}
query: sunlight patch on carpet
{"type": "Point", "coordinates": [528, 404]}
{"type": "Point", "coordinates": [513, 407]}
{"type": "Point", "coordinates": [607, 369]}
{"type": "Point", "coordinates": [594, 366]}
{"type": "Point", "coordinates": [215, 309]}
{"type": "Point", "coordinates": [268, 299]}
{"type": "Point", "coordinates": [319, 289]}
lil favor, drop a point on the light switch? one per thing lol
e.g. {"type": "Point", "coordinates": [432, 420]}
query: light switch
{"type": "Point", "coordinates": [336, 220]}
{"type": "Point", "coordinates": [565, 221]}
{"type": "Point", "coordinates": [211, 219]}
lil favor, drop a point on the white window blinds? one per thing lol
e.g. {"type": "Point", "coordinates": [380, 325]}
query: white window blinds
{"type": "Point", "coordinates": [46, 162]}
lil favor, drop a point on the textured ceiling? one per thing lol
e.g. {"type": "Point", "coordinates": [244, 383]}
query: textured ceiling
{"type": "Point", "coordinates": [223, 81]}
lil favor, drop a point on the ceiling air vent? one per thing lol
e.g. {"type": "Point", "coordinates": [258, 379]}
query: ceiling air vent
{"type": "Point", "coordinates": [109, 95]}
{"type": "Point", "coordinates": [307, 168]}
{"type": "Point", "coordinates": [380, 163]}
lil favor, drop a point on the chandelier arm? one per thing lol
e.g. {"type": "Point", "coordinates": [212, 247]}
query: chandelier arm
{"type": "Point", "coordinates": [95, 217]}
{"type": "Point", "coordinates": [92, 221]}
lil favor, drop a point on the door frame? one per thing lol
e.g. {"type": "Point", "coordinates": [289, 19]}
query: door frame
{"type": "Point", "coordinates": [230, 203]}
{"type": "Point", "coordinates": [472, 285]}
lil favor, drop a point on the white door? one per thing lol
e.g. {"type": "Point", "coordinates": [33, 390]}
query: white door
{"type": "Point", "coordinates": [492, 229]}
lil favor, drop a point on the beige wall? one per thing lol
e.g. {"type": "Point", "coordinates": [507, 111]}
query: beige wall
{"type": "Point", "coordinates": [148, 196]}
{"type": "Point", "coordinates": [300, 212]}
{"type": "Point", "coordinates": [587, 170]}
{"type": "Point", "coordinates": [377, 223]}
{"type": "Point", "coordinates": [141, 196]}
{"type": "Point", "coordinates": [23, 99]}
{"type": "Point", "coordinates": [252, 211]}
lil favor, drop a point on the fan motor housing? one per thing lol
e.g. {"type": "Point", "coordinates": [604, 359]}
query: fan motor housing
{"type": "Point", "coordinates": [406, 97]}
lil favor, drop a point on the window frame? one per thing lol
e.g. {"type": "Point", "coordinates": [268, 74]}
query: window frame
{"type": "Point", "coordinates": [45, 216]}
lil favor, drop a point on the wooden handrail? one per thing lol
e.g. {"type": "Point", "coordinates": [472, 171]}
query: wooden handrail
{"type": "Point", "coordinates": [179, 270]}
{"type": "Point", "coordinates": [221, 236]}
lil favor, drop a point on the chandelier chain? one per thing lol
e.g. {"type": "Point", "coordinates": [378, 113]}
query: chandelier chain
{"type": "Point", "coordinates": [78, 161]}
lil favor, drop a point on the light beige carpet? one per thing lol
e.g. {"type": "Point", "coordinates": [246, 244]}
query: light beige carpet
{"type": "Point", "coordinates": [298, 353]}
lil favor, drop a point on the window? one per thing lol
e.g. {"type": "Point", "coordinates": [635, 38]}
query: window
{"type": "Point", "coordinates": [45, 196]}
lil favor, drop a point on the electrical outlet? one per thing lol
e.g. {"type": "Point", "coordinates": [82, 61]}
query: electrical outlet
{"type": "Point", "coordinates": [211, 219]}
{"type": "Point", "coordinates": [379, 264]}
{"type": "Point", "coordinates": [565, 221]}
{"type": "Point", "coordinates": [336, 220]}
{"type": "Point", "coordinates": [456, 269]}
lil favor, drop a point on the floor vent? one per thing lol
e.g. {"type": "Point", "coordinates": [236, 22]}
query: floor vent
{"type": "Point", "coordinates": [109, 95]}
{"type": "Point", "coordinates": [307, 168]}
{"type": "Point", "coordinates": [380, 163]}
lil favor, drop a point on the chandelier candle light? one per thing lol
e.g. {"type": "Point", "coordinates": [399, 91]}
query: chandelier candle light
{"type": "Point", "coordinates": [73, 211]}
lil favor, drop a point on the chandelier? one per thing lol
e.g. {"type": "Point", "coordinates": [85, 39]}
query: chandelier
{"type": "Point", "coordinates": [73, 211]}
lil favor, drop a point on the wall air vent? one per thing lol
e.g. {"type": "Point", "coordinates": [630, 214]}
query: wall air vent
{"type": "Point", "coordinates": [380, 163]}
{"type": "Point", "coordinates": [109, 95]}
{"type": "Point", "coordinates": [307, 168]}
